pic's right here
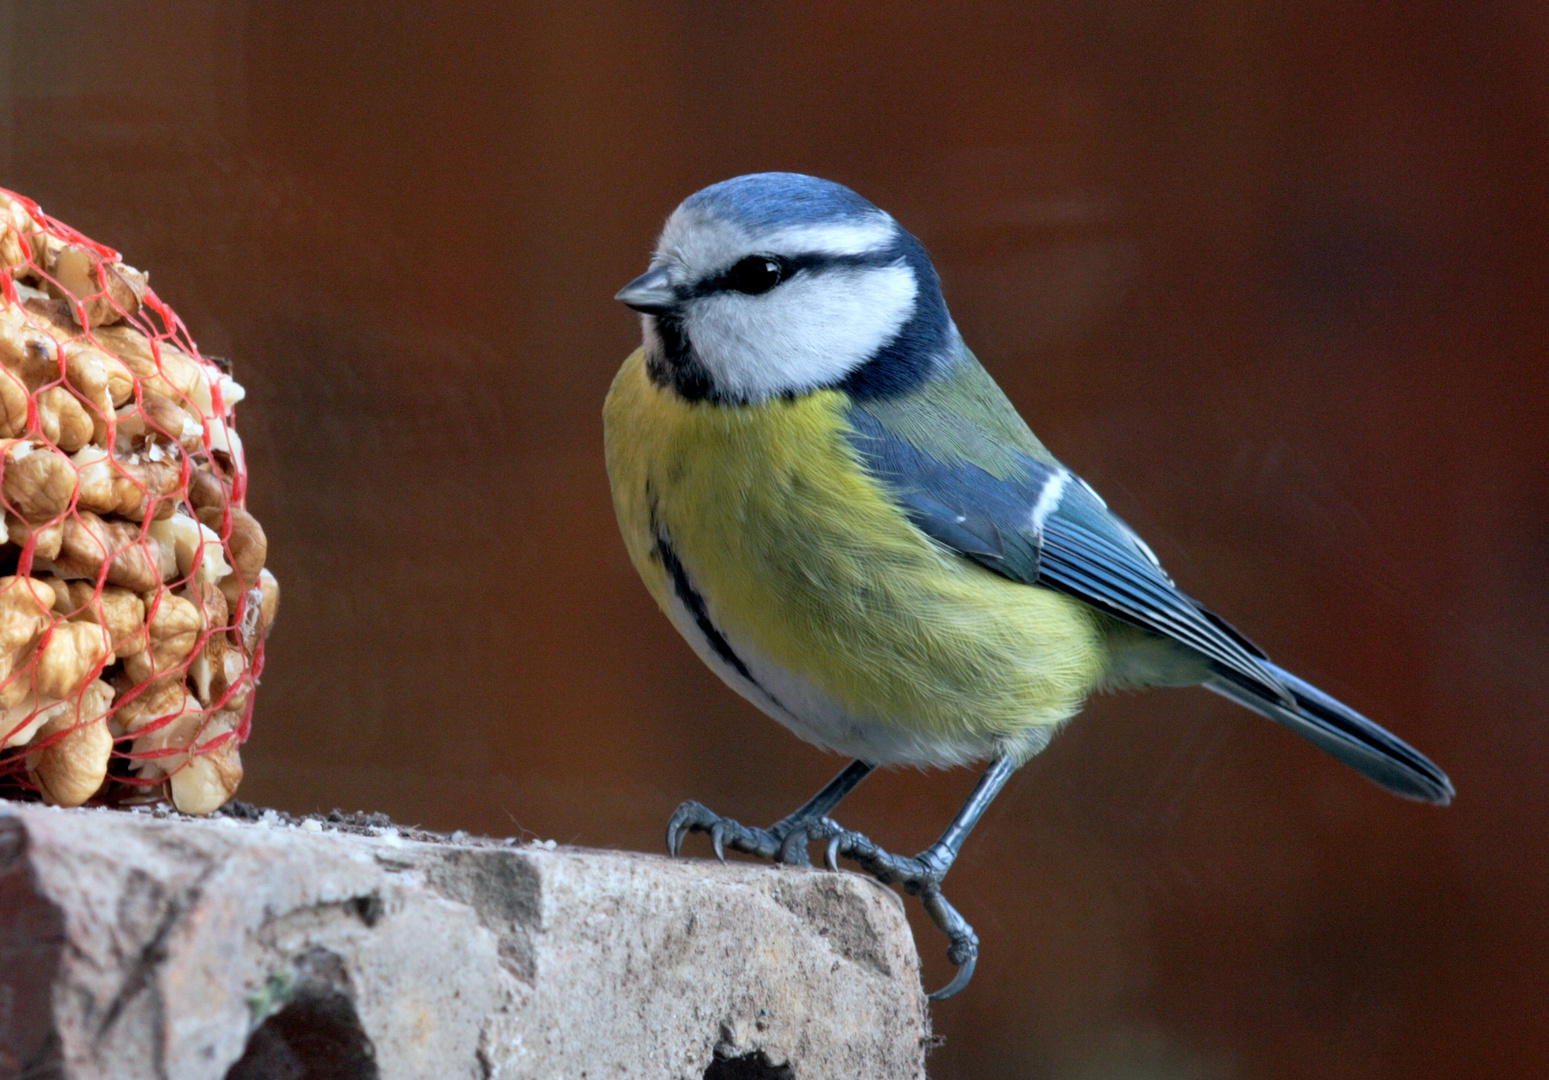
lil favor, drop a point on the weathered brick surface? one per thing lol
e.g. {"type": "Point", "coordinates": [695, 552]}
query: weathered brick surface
{"type": "Point", "coordinates": [135, 946]}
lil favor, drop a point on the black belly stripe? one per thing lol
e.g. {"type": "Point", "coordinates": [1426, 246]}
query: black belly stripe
{"type": "Point", "coordinates": [696, 607]}
{"type": "Point", "coordinates": [689, 596]}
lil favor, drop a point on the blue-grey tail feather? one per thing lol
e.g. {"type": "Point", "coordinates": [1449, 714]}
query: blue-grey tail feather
{"type": "Point", "coordinates": [1339, 730]}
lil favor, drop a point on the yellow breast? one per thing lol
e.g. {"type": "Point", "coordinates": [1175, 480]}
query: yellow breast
{"type": "Point", "coordinates": [800, 556]}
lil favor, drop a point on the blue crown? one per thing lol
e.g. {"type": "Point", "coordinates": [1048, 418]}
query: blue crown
{"type": "Point", "coordinates": [766, 200]}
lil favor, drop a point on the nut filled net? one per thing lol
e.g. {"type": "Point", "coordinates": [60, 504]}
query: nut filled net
{"type": "Point", "coordinates": [134, 601]}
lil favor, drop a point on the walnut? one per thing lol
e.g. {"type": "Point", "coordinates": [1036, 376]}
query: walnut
{"type": "Point", "coordinates": [25, 614]}
{"type": "Point", "coordinates": [45, 247]}
{"type": "Point", "coordinates": [218, 672]}
{"type": "Point", "coordinates": [213, 771]}
{"type": "Point", "coordinates": [223, 439]}
{"type": "Point", "coordinates": [119, 610]}
{"type": "Point", "coordinates": [106, 291]}
{"type": "Point", "coordinates": [190, 548]}
{"type": "Point", "coordinates": [206, 672]}
{"type": "Point", "coordinates": [71, 761]}
{"type": "Point", "coordinates": [14, 252]}
{"type": "Point", "coordinates": [37, 481]}
{"type": "Point", "coordinates": [21, 719]}
{"type": "Point", "coordinates": [216, 394]}
{"type": "Point", "coordinates": [208, 491]}
{"type": "Point", "coordinates": [71, 654]}
{"type": "Point", "coordinates": [231, 687]}
{"type": "Point", "coordinates": [129, 488]}
{"type": "Point", "coordinates": [162, 420]}
{"type": "Point", "coordinates": [45, 539]}
{"type": "Point", "coordinates": [165, 717]}
{"type": "Point", "coordinates": [139, 705]}
{"type": "Point", "coordinates": [120, 380]}
{"type": "Point", "coordinates": [63, 420]}
{"type": "Point", "coordinates": [195, 749]}
{"type": "Point", "coordinates": [164, 729]}
{"type": "Point", "coordinates": [245, 541]}
{"type": "Point", "coordinates": [13, 404]}
{"type": "Point", "coordinates": [26, 350]}
{"type": "Point", "coordinates": [163, 369]}
{"type": "Point", "coordinates": [86, 371]}
{"type": "Point", "coordinates": [132, 561]}
{"type": "Point", "coordinates": [174, 628]}
{"type": "Point", "coordinates": [86, 374]}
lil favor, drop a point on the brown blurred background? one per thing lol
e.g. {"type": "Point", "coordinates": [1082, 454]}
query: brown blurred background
{"type": "Point", "coordinates": [1271, 276]}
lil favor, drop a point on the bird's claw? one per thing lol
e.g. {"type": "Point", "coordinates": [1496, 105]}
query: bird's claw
{"type": "Point", "coordinates": [962, 942]}
{"type": "Point", "coordinates": [920, 876]}
{"type": "Point", "coordinates": [784, 842]}
{"type": "Point", "coordinates": [793, 847]}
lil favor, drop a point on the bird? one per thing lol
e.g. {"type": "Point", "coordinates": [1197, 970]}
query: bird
{"type": "Point", "coordinates": [850, 523]}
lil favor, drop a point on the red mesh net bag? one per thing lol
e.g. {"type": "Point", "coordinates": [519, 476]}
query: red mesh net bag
{"type": "Point", "coordinates": [133, 596]}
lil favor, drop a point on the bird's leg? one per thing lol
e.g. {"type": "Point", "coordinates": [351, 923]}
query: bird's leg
{"type": "Point", "coordinates": [785, 840]}
{"type": "Point", "coordinates": [921, 875]}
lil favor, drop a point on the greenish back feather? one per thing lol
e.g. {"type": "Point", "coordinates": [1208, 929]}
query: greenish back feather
{"type": "Point", "coordinates": [963, 416]}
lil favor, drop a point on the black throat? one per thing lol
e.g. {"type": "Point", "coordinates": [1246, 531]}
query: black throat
{"type": "Point", "coordinates": [673, 363]}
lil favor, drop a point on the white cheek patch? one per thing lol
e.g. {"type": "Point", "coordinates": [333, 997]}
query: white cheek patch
{"type": "Point", "coordinates": [809, 331]}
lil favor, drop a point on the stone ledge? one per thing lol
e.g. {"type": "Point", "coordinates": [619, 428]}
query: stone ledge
{"type": "Point", "coordinates": [134, 945]}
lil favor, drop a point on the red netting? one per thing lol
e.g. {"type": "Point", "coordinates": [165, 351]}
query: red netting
{"type": "Point", "coordinates": [134, 600]}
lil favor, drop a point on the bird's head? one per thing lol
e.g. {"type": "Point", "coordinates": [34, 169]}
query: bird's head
{"type": "Point", "coordinates": [778, 284]}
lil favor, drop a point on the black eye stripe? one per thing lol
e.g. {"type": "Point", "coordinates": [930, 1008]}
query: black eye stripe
{"type": "Point", "coordinates": [791, 265]}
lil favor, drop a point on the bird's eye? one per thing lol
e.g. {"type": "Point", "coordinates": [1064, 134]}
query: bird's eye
{"type": "Point", "coordinates": [755, 274]}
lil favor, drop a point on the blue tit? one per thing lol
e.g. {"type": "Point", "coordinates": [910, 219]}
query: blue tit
{"type": "Point", "coordinates": [851, 525]}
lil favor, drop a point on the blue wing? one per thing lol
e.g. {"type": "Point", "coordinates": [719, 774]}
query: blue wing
{"type": "Point", "coordinates": [1035, 522]}
{"type": "Point", "coordinates": [1042, 525]}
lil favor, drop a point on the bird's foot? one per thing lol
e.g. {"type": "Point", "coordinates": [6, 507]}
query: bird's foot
{"type": "Point", "coordinates": [785, 841]}
{"type": "Point", "coordinates": [921, 876]}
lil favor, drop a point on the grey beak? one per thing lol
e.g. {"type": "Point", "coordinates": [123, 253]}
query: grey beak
{"type": "Point", "coordinates": [650, 294]}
